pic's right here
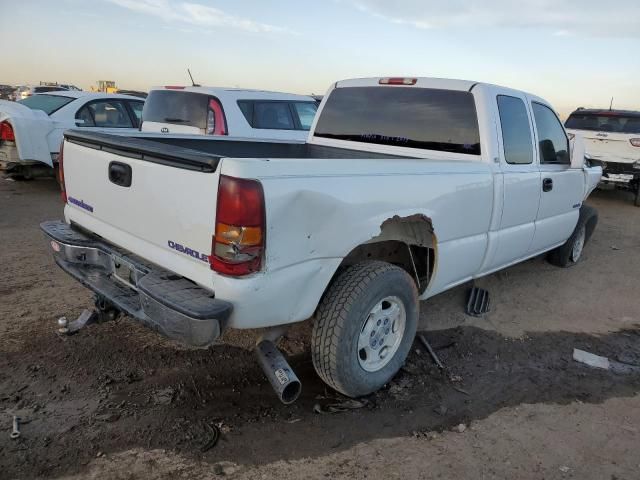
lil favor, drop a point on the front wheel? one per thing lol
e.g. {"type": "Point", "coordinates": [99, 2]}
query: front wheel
{"type": "Point", "coordinates": [364, 327]}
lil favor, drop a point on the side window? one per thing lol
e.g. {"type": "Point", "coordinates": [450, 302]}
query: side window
{"type": "Point", "coordinates": [516, 133]}
{"type": "Point", "coordinates": [110, 114]}
{"type": "Point", "coordinates": [306, 111]}
{"type": "Point", "coordinates": [85, 117]}
{"type": "Point", "coordinates": [267, 115]}
{"type": "Point", "coordinates": [136, 108]}
{"type": "Point", "coordinates": [553, 143]}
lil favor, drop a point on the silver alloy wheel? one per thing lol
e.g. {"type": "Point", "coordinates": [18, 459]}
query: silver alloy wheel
{"type": "Point", "coordinates": [578, 244]}
{"type": "Point", "coordinates": [381, 334]}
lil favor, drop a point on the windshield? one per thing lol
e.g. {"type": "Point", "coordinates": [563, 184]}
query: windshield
{"type": "Point", "coordinates": [426, 118]}
{"type": "Point", "coordinates": [47, 103]}
{"type": "Point", "coordinates": [177, 107]}
{"type": "Point", "coordinates": [617, 123]}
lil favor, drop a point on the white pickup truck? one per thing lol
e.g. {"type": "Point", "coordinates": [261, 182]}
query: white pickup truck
{"type": "Point", "coordinates": [405, 188]}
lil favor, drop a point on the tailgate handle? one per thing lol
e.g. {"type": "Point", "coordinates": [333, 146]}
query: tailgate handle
{"type": "Point", "coordinates": [120, 174]}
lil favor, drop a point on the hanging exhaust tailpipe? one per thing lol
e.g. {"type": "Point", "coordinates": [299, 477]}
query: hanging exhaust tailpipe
{"type": "Point", "coordinates": [280, 374]}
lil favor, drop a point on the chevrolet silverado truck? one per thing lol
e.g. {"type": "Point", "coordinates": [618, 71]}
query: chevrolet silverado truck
{"type": "Point", "coordinates": [406, 187]}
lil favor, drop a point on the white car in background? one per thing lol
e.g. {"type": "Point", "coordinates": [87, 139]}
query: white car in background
{"type": "Point", "coordinates": [31, 129]}
{"type": "Point", "coordinates": [25, 91]}
{"type": "Point", "coordinates": [611, 140]}
{"type": "Point", "coordinates": [228, 111]}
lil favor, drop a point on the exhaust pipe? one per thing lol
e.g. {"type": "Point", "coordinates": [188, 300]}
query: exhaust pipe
{"type": "Point", "coordinates": [280, 374]}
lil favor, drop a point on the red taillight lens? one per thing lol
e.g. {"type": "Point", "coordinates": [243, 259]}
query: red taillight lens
{"type": "Point", "coordinates": [238, 243]}
{"type": "Point", "coordinates": [635, 142]}
{"type": "Point", "coordinates": [216, 122]}
{"type": "Point", "coordinates": [6, 132]}
{"type": "Point", "coordinates": [63, 189]}
{"type": "Point", "coordinates": [397, 81]}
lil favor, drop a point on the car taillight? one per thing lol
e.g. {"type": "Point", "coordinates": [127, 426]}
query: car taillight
{"type": "Point", "coordinates": [6, 132]}
{"type": "Point", "coordinates": [238, 243]}
{"type": "Point", "coordinates": [397, 81]}
{"type": "Point", "coordinates": [635, 142]}
{"type": "Point", "coordinates": [63, 189]}
{"type": "Point", "coordinates": [216, 122]}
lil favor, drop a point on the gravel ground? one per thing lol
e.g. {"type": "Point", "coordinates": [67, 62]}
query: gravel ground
{"type": "Point", "coordinates": [117, 401]}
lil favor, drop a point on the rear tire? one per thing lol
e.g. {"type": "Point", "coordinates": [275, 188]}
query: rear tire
{"type": "Point", "coordinates": [364, 327]}
{"type": "Point", "coordinates": [570, 252]}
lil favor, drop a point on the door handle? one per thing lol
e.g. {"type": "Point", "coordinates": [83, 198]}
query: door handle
{"type": "Point", "coordinates": [547, 185]}
{"type": "Point", "coordinates": [120, 174]}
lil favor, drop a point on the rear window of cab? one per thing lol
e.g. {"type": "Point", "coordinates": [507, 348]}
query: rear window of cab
{"type": "Point", "coordinates": [424, 118]}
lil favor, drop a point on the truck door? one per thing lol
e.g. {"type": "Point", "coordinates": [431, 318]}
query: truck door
{"type": "Point", "coordinates": [562, 187]}
{"type": "Point", "coordinates": [521, 180]}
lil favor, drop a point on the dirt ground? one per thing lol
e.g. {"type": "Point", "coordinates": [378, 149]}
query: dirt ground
{"type": "Point", "coordinates": [117, 401]}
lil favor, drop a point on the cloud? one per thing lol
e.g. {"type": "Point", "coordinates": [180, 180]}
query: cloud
{"type": "Point", "coordinates": [571, 17]}
{"type": "Point", "coordinates": [196, 14]}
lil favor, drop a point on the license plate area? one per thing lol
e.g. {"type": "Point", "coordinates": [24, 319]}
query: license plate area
{"type": "Point", "coordinates": [123, 271]}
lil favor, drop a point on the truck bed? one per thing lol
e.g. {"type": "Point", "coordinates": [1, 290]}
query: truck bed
{"type": "Point", "coordinates": [205, 153]}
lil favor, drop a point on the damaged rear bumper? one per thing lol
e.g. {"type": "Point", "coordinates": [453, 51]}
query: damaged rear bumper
{"type": "Point", "coordinates": [161, 300]}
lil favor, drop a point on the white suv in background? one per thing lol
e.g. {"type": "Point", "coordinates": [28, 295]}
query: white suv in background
{"type": "Point", "coordinates": [612, 140]}
{"type": "Point", "coordinates": [228, 111]}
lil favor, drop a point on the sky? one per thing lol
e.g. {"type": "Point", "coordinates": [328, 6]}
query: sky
{"type": "Point", "coordinates": [570, 52]}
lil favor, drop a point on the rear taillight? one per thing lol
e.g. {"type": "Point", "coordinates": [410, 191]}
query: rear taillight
{"type": "Point", "coordinates": [238, 243]}
{"type": "Point", "coordinates": [6, 132]}
{"type": "Point", "coordinates": [397, 81]}
{"type": "Point", "coordinates": [63, 189]}
{"type": "Point", "coordinates": [635, 142]}
{"type": "Point", "coordinates": [216, 122]}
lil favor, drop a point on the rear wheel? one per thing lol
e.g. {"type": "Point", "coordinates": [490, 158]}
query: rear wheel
{"type": "Point", "coordinates": [570, 252]}
{"type": "Point", "coordinates": [364, 327]}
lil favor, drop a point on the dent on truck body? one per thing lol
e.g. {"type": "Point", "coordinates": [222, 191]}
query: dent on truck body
{"type": "Point", "coordinates": [409, 242]}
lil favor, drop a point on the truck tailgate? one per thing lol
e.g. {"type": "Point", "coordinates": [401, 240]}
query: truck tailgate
{"type": "Point", "coordinates": [154, 201]}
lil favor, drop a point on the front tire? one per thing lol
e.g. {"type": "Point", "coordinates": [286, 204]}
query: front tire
{"type": "Point", "coordinates": [364, 327]}
{"type": "Point", "coordinates": [570, 252]}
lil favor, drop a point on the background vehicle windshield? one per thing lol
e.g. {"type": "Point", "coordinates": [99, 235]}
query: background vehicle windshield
{"type": "Point", "coordinates": [426, 118]}
{"type": "Point", "coordinates": [617, 123]}
{"type": "Point", "coordinates": [47, 103]}
{"type": "Point", "coordinates": [49, 89]}
{"type": "Point", "coordinates": [177, 107]}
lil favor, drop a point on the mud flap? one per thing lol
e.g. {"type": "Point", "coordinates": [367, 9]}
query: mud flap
{"type": "Point", "coordinates": [478, 302]}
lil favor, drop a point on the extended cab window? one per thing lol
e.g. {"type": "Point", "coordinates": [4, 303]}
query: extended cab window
{"type": "Point", "coordinates": [433, 119]}
{"type": "Point", "coordinates": [516, 133]}
{"type": "Point", "coordinates": [553, 143]}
